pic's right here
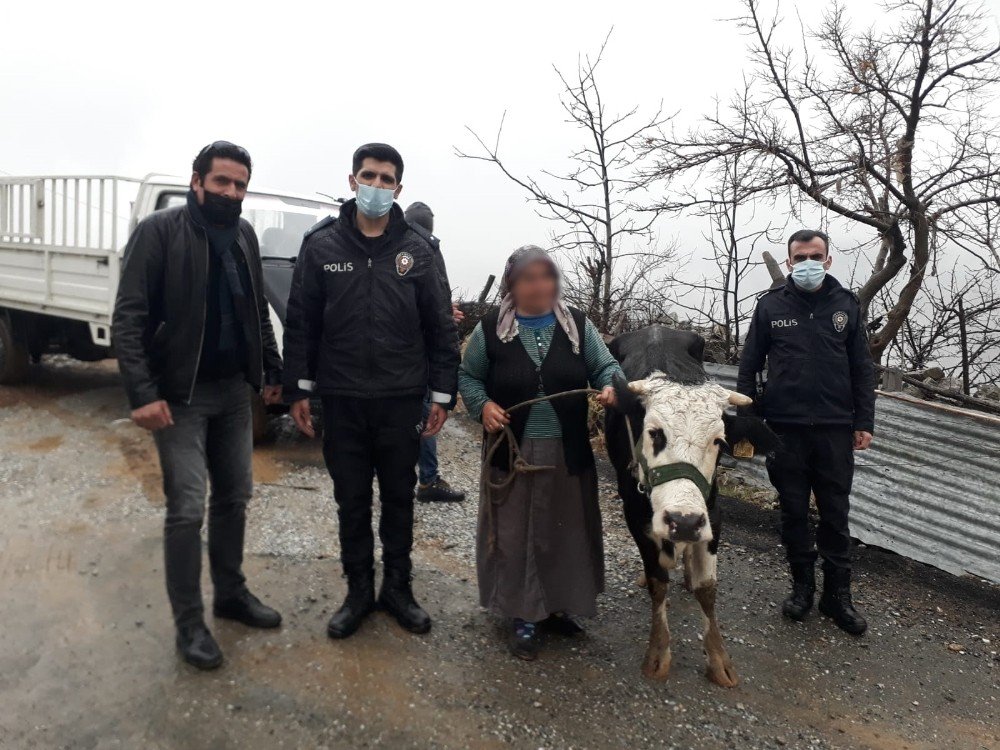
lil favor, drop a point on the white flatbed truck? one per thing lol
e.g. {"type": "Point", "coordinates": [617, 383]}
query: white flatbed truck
{"type": "Point", "coordinates": [61, 243]}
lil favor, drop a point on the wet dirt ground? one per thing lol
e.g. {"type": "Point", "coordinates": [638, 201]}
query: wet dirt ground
{"type": "Point", "coordinates": [86, 644]}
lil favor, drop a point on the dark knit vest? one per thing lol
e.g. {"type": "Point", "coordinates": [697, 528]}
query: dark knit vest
{"type": "Point", "coordinates": [513, 377]}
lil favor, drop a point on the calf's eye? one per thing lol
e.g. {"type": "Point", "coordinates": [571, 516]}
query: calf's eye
{"type": "Point", "coordinates": [659, 439]}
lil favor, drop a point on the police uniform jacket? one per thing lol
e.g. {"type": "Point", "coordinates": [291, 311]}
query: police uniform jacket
{"type": "Point", "coordinates": [819, 368]}
{"type": "Point", "coordinates": [369, 317]}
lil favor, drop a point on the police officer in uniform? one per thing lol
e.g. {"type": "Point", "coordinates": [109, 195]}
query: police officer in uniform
{"type": "Point", "coordinates": [820, 398]}
{"type": "Point", "coordinates": [369, 330]}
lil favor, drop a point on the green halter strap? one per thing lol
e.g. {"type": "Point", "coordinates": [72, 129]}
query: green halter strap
{"type": "Point", "coordinates": [650, 478]}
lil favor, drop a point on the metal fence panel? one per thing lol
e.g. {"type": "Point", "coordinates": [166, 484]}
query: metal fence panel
{"type": "Point", "coordinates": [929, 487]}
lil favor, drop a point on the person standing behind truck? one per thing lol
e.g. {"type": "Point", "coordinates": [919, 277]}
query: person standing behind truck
{"type": "Point", "coordinates": [820, 399]}
{"type": "Point", "coordinates": [431, 486]}
{"type": "Point", "coordinates": [369, 330]}
{"type": "Point", "coordinates": [191, 330]}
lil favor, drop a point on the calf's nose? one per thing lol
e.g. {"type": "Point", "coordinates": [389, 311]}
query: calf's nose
{"type": "Point", "coordinates": [685, 527]}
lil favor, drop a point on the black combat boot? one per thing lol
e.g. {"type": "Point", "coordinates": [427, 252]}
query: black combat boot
{"type": "Point", "coordinates": [800, 601]}
{"type": "Point", "coordinates": [396, 598]}
{"type": "Point", "coordinates": [358, 604]}
{"type": "Point", "coordinates": [837, 605]}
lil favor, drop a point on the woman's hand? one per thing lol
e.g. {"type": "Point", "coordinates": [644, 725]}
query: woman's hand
{"type": "Point", "coordinates": [607, 397]}
{"type": "Point", "coordinates": [494, 417]}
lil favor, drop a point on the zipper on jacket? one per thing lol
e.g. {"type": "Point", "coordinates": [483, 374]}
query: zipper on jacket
{"type": "Point", "coordinates": [256, 307]}
{"type": "Point", "coordinates": [204, 318]}
{"type": "Point", "coordinates": [371, 322]}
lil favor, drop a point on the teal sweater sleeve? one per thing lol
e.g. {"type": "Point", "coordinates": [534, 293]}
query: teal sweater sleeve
{"type": "Point", "coordinates": [472, 374]}
{"type": "Point", "coordinates": [601, 365]}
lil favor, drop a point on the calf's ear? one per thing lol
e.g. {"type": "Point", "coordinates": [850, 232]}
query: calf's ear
{"type": "Point", "coordinates": [630, 395]}
{"type": "Point", "coordinates": [751, 429]}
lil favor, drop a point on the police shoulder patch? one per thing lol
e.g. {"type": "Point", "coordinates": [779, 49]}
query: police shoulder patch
{"type": "Point", "coordinates": [840, 319]}
{"type": "Point", "coordinates": [404, 262]}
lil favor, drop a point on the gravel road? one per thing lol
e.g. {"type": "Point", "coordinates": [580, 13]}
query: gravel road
{"type": "Point", "coordinates": [86, 647]}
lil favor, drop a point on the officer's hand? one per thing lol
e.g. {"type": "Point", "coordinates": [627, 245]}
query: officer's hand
{"type": "Point", "coordinates": [302, 416]}
{"type": "Point", "coordinates": [494, 417]}
{"type": "Point", "coordinates": [435, 420]}
{"type": "Point", "coordinates": [154, 416]}
{"type": "Point", "coordinates": [862, 440]}
{"type": "Point", "coordinates": [272, 394]}
{"type": "Point", "coordinates": [456, 314]}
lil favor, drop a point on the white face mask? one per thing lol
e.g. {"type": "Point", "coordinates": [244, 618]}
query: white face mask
{"type": "Point", "coordinates": [375, 202]}
{"type": "Point", "coordinates": [808, 274]}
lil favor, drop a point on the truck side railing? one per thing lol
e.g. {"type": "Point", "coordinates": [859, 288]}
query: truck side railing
{"type": "Point", "coordinates": [80, 212]}
{"type": "Point", "coordinates": [59, 243]}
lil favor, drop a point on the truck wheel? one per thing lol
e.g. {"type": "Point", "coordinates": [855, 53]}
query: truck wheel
{"type": "Point", "coordinates": [261, 419]}
{"type": "Point", "coordinates": [14, 357]}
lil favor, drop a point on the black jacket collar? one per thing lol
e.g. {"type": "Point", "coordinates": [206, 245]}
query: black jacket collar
{"type": "Point", "coordinates": [394, 230]}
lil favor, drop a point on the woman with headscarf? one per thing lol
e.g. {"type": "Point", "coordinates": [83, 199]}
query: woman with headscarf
{"type": "Point", "coordinates": [540, 555]}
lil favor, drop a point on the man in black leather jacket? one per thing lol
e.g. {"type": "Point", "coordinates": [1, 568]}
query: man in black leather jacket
{"type": "Point", "coordinates": [369, 330]}
{"type": "Point", "coordinates": [192, 335]}
{"type": "Point", "coordinates": [820, 399]}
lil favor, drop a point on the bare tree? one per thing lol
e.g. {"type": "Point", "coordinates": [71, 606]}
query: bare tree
{"type": "Point", "coordinates": [722, 302]}
{"type": "Point", "coordinates": [955, 326]}
{"type": "Point", "coordinates": [609, 245]}
{"type": "Point", "coordinates": [891, 131]}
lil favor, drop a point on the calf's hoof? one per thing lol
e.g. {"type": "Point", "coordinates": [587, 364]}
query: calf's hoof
{"type": "Point", "coordinates": [656, 665]}
{"type": "Point", "coordinates": [722, 673]}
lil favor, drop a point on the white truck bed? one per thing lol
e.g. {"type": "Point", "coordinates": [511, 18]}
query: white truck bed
{"type": "Point", "coordinates": [59, 245]}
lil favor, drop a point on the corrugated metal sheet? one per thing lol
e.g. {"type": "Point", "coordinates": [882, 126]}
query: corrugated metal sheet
{"type": "Point", "coordinates": [929, 487]}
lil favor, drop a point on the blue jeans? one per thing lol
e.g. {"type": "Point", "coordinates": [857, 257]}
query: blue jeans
{"type": "Point", "coordinates": [427, 463]}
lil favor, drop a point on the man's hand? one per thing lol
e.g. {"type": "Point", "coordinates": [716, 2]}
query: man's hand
{"type": "Point", "coordinates": [456, 314]}
{"type": "Point", "coordinates": [607, 397]}
{"type": "Point", "coordinates": [494, 417]}
{"type": "Point", "coordinates": [272, 394]}
{"type": "Point", "coordinates": [302, 416]}
{"type": "Point", "coordinates": [154, 416]}
{"type": "Point", "coordinates": [435, 420]}
{"type": "Point", "coordinates": [862, 440]}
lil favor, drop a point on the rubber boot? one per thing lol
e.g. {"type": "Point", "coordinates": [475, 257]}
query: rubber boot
{"type": "Point", "coordinates": [358, 604]}
{"type": "Point", "coordinates": [800, 601]}
{"type": "Point", "coordinates": [396, 598]}
{"type": "Point", "coordinates": [836, 602]}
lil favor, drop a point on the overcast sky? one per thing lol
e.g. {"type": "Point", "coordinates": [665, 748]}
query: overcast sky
{"type": "Point", "coordinates": [132, 88]}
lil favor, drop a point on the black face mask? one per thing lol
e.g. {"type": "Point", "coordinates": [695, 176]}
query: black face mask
{"type": "Point", "coordinates": [221, 211]}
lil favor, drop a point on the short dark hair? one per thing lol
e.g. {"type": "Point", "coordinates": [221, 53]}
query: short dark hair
{"type": "Point", "coordinates": [220, 150]}
{"type": "Point", "coordinates": [379, 152]}
{"type": "Point", "coordinates": [807, 235]}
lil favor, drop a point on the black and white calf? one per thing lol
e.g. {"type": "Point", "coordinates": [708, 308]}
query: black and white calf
{"type": "Point", "coordinates": [679, 422]}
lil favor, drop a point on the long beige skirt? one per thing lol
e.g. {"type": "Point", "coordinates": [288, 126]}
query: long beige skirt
{"type": "Point", "coordinates": [539, 545]}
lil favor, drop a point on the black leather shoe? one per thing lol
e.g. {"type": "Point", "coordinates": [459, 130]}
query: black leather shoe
{"type": "Point", "coordinates": [358, 604]}
{"type": "Point", "coordinates": [523, 642]}
{"type": "Point", "coordinates": [249, 610]}
{"type": "Point", "coordinates": [396, 598]}
{"type": "Point", "coordinates": [561, 623]}
{"type": "Point", "coordinates": [439, 491]}
{"type": "Point", "coordinates": [197, 646]}
{"type": "Point", "coordinates": [800, 601]}
{"type": "Point", "coordinates": [836, 603]}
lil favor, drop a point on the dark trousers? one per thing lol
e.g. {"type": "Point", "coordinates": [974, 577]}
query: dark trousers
{"type": "Point", "coordinates": [210, 445]}
{"type": "Point", "coordinates": [820, 460]}
{"type": "Point", "coordinates": [427, 465]}
{"type": "Point", "coordinates": [364, 439]}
